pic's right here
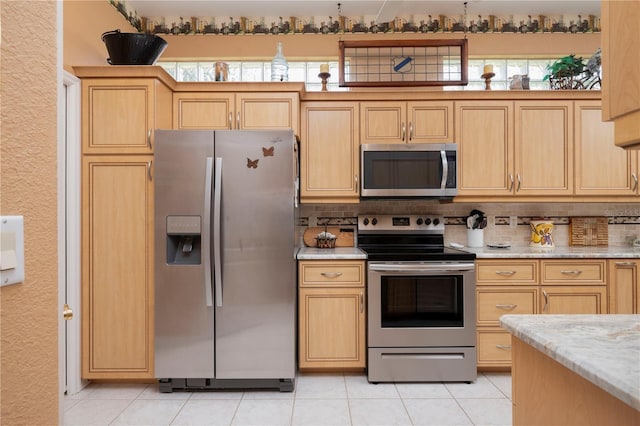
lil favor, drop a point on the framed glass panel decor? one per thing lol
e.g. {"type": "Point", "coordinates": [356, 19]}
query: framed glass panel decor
{"type": "Point", "coordinates": [389, 63]}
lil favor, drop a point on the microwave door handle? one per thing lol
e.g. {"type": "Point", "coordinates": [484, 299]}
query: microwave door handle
{"type": "Point", "coordinates": [445, 170]}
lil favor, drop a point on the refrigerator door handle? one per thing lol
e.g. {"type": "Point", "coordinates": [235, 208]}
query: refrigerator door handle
{"type": "Point", "coordinates": [206, 231]}
{"type": "Point", "coordinates": [217, 256]}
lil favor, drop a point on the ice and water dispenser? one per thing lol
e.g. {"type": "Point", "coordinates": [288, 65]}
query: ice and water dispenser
{"type": "Point", "coordinates": [184, 239]}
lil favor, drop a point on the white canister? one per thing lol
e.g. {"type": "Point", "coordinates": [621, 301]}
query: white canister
{"type": "Point", "coordinates": [475, 237]}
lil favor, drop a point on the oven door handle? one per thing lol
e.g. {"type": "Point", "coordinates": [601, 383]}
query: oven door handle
{"type": "Point", "coordinates": [411, 269]}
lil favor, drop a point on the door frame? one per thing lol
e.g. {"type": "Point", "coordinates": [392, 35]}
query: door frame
{"type": "Point", "coordinates": [69, 251]}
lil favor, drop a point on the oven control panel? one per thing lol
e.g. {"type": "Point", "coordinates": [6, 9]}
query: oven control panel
{"type": "Point", "coordinates": [399, 223]}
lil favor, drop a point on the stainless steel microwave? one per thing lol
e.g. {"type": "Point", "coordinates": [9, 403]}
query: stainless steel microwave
{"type": "Point", "coordinates": [408, 170]}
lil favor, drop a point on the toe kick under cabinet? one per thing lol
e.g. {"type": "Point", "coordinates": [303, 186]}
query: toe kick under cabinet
{"type": "Point", "coordinates": [331, 315]}
{"type": "Point", "coordinates": [532, 286]}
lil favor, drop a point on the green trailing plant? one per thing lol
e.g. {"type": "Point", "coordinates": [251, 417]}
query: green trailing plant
{"type": "Point", "coordinates": [565, 72]}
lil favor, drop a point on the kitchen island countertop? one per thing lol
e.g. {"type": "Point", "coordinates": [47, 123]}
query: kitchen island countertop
{"type": "Point", "coordinates": [604, 349]}
{"type": "Point", "coordinates": [339, 253]}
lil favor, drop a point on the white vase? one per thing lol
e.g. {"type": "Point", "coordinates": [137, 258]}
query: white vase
{"type": "Point", "coordinates": [279, 66]}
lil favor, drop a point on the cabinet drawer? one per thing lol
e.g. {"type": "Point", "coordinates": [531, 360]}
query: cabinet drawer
{"type": "Point", "coordinates": [494, 348]}
{"type": "Point", "coordinates": [572, 271]}
{"type": "Point", "coordinates": [493, 303]}
{"type": "Point", "coordinates": [507, 273]}
{"type": "Point", "coordinates": [331, 273]}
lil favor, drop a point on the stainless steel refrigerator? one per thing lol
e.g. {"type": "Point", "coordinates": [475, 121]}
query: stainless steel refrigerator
{"type": "Point", "coordinates": [225, 272]}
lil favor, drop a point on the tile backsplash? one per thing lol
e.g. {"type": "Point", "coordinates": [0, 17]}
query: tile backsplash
{"type": "Point", "coordinates": [623, 218]}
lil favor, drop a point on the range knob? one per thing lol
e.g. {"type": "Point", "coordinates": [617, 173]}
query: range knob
{"type": "Point", "coordinates": [419, 221]}
{"type": "Point", "coordinates": [374, 221]}
{"type": "Point", "coordinates": [436, 221]}
{"type": "Point", "coordinates": [427, 221]}
{"type": "Point", "coordinates": [365, 221]}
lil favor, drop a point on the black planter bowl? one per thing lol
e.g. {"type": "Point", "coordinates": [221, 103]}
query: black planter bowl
{"type": "Point", "coordinates": [133, 48]}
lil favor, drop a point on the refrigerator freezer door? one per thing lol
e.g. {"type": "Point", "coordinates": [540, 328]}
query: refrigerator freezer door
{"type": "Point", "coordinates": [255, 327]}
{"type": "Point", "coordinates": [184, 324]}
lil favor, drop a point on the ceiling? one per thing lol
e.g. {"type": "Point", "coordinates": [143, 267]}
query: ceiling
{"type": "Point", "coordinates": [384, 10]}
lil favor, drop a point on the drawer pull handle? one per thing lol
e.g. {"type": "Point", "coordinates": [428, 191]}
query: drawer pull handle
{"type": "Point", "coordinates": [506, 273]}
{"type": "Point", "coordinates": [505, 347]}
{"type": "Point", "coordinates": [507, 307]}
{"type": "Point", "coordinates": [331, 274]}
{"type": "Point", "coordinates": [574, 272]}
{"type": "Point", "coordinates": [625, 263]}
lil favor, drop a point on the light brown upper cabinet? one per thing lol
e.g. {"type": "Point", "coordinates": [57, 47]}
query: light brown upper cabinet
{"type": "Point", "coordinates": [485, 148]}
{"type": "Point", "coordinates": [119, 114]}
{"type": "Point", "coordinates": [543, 148]}
{"type": "Point", "coordinates": [329, 153]}
{"type": "Point", "coordinates": [522, 148]}
{"type": "Point", "coordinates": [240, 111]}
{"type": "Point", "coordinates": [620, 40]}
{"type": "Point", "coordinates": [601, 167]}
{"type": "Point", "coordinates": [406, 122]}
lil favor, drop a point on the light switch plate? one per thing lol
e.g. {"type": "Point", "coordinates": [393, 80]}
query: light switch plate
{"type": "Point", "coordinates": [11, 250]}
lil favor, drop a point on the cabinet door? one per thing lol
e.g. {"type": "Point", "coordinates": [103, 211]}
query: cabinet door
{"type": "Point", "coordinates": [267, 111]}
{"type": "Point", "coordinates": [119, 115]}
{"type": "Point", "coordinates": [544, 148]}
{"type": "Point", "coordinates": [624, 290]}
{"type": "Point", "coordinates": [383, 122]}
{"type": "Point", "coordinates": [332, 328]}
{"type": "Point", "coordinates": [430, 122]}
{"type": "Point", "coordinates": [484, 133]}
{"type": "Point", "coordinates": [329, 152]}
{"type": "Point", "coordinates": [601, 167]}
{"type": "Point", "coordinates": [574, 299]}
{"type": "Point", "coordinates": [620, 62]}
{"type": "Point", "coordinates": [117, 269]}
{"type": "Point", "coordinates": [203, 111]}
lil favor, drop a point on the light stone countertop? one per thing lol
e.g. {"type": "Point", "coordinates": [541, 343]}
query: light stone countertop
{"type": "Point", "coordinates": [583, 252]}
{"type": "Point", "coordinates": [604, 349]}
{"type": "Point", "coordinates": [340, 253]}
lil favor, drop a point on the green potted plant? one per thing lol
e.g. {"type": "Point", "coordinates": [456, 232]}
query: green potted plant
{"type": "Point", "coordinates": [564, 73]}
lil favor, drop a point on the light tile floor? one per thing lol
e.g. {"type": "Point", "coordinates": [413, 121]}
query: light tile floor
{"type": "Point", "coordinates": [319, 399]}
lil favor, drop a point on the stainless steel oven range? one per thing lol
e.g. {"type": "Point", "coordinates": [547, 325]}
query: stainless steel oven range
{"type": "Point", "coordinates": [421, 301]}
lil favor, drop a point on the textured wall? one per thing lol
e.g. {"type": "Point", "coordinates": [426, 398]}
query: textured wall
{"type": "Point", "coordinates": [28, 311]}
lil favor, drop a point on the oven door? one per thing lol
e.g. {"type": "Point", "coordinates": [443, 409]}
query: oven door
{"type": "Point", "coordinates": [421, 304]}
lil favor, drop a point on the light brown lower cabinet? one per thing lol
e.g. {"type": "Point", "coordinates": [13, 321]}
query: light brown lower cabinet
{"type": "Point", "coordinates": [117, 267]}
{"type": "Point", "coordinates": [624, 290]}
{"type": "Point", "coordinates": [331, 315]}
{"type": "Point", "coordinates": [533, 286]}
